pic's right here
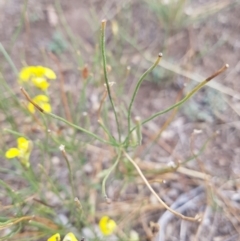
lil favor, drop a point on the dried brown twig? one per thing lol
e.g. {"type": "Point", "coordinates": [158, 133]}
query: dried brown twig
{"type": "Point", "coordinates": [194, 219]}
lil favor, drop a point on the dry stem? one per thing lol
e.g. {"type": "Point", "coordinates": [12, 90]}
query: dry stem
{"type": "Point", "coordinates": [30, 100]}
{"type": "Point", "coordinates": [156, 195]}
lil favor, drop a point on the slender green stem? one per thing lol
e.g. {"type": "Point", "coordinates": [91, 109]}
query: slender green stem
{"type": "Point", "coordinates": [108, 173]}
{"type": "Point", "coordinates": [51, 182]}
{"type": "Point", "coordinates": [106, 75]}
{"type": "Point", "coordinates": [11, 193]}
{"type": "Point", "coordinates": [14, 132]}
{"type": "Point", "coordinates": [4, 108]}
{"type": "Point", "coordinates": [188, 96]}
{"type": "Point", "coordinates": [32, 178]}
{"type": "Point", "coordinates": [139, 132]}
{"type": "Point", "coordinates": [81, 101]}
{"type": "Point", "coordinates": [76, 127]}
{"type": "Point", "coordinates": [5, 84]}
{"type": "Point", "coordinates": [202, 149]}
{"type": "Point", "coordinates": [138, 86]}
{"type": "Point", "coordinates": [106, 131]}
{"type": "Point", "coordinates": [61, 119]}
{"type": "Point", "coordinates": [70, 172]}
{"type": "Point", "coordinates": [9, 60]}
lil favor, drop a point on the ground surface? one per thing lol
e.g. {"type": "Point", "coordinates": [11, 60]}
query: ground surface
{"type": "Point", "coordinates": [199, 46]}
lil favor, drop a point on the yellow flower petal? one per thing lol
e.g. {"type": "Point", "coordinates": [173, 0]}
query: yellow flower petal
{"type": "Point", "coordinates": [40, 82]}
{"type": "Point", "coordinates": [39, 71]}
{"type": "Point", "coordinates": [49, 73]}
{"type": "Point", "coordinates": [46, 107]}
{"type": "Point", "coordinates": [41, 101]}
{"type": "Point", "coordinates": [40, 98]}
{"type": "Point", "coordinates": [36, 72]}
{"type": "Point", "coordinates": [70, 237]}
{"type": "Point", "coordinates": [31, 108]}
{"type": "Point", "coordinates": [12, 152]}
{"type": "Point", "coordinates": [24, 155]}
{"type": "Point", "coordinates": [22, 143]}
{"type": "Point", "coordinates": [25, 74]}
{"type": "Point", "coordinates": [55, 237]}
{"type": "Point", "coordinates": [107, 225]}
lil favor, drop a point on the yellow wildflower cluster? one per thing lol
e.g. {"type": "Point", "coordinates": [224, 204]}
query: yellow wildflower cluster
{"type": "Point", "coordinates": [38, 75]}
{"type": "Point", "coordinates": [68, 237]}
{"type": "Point", "coordinates": [22, 151]}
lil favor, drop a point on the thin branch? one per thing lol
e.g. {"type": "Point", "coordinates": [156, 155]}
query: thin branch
{"type": "Point", "coordinates": [62, 149]}
{"type": "Point", "coordinates": [107, 175]}
{"type": "Point", "coordinates": [138, 86]}
{"type": "Point", "coordinates": [9, 60]}
{"type": "Point", "coordinates": [194, 219]}
{"type": "Point", "coordinates": [188, 96]}
{"type": "Point", "coordinates": [106, 75]}
{"type": "Point", "coordinates": [30, 100]}
{"type": "Point", "coordinates": [62, 119]}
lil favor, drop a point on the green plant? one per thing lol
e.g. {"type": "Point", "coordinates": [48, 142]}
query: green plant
{"type": "Point", "coordinates": [30, 210]}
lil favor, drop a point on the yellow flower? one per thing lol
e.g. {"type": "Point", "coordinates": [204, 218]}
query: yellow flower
{"type": "Point", "coordinates": [38, 75]}
{"type": "Point", "coordinates": [41, 101]}
{"type": "Point", "coordinates": [55, 237]}
{"type": "Point", "coordinates": [107, 225]}
{"type": "Point", "coordinates": [40, 82]}
{"type": "Point", "coordinates": [22, 151]}
{"type": "Point", "coordinates": [68, 237]}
